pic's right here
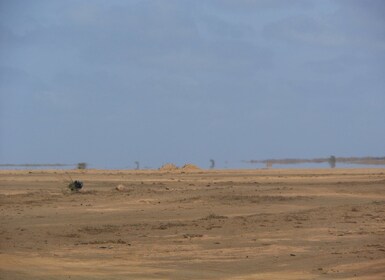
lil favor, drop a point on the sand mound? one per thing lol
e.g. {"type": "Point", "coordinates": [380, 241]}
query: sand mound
{"type": "Point", "coordinates": [190, 166]}
{"type": "Point", "coordinates": [168, 167]}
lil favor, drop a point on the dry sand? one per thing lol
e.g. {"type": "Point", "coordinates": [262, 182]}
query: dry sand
{"type": "Point", "coordinates": [193, 224]}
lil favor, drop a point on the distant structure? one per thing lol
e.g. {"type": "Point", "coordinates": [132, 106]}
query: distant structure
{"type": "Point", "coordinates": [212, 164]}
{"type": "Point", "coordinates": [332, 161]}
{"type": "Point", "coordinates": [137, 165]}
{"type": "Point", "coordinates": [82, 165]}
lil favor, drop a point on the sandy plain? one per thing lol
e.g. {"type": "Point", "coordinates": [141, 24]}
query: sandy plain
{"type": "Point", "coordinates": [194, 224]}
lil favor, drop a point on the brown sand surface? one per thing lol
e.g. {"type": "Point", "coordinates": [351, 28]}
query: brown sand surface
{"type": "Point", "coordinates": [193, 224]}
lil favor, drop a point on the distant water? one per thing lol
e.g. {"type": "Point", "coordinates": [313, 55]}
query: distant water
{"type": "Point", "coordinates": [315, 166]}
{"type": "Point", "coordinates": [240, 165]}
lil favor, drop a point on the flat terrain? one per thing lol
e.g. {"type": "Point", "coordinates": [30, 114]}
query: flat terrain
{"type": "Point", "coordinates": [197, 224]}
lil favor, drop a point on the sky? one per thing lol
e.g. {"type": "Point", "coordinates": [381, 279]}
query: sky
{"type": "Point", "coordinates": [112, 82]}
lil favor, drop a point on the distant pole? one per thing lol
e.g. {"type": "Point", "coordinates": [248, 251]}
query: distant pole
{"type": "Point", "coordinates": [332, 161]}
{"type": "Point", "coordinates": [212, 164]}
{"type": "Point", "coordinates": [137, 165]}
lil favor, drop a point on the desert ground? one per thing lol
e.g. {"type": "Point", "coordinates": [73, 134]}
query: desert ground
{"type": "Point", "coordinates": [193, 224]}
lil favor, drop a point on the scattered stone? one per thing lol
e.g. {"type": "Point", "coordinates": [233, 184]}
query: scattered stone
{"type": "Point", "coordinates": [121, 188]}
{"type": "Point", "coordinates": [214, 217]}
{"type": "Point", "coordinates": [192, 235]}
{"type": "Point", "coordinates": [106, 247]}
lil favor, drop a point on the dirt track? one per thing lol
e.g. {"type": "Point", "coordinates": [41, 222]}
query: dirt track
{"type": "Point", "coordinates": [255, 224]}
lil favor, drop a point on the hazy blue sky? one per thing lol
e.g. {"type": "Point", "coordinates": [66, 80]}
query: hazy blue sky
{"type": "Point", "coordinates": [113, 82]}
